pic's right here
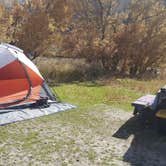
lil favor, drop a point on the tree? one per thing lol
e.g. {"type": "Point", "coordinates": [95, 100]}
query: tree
{"type": "Point", "coordinates": [36, 25]}
{"type": "Point", "coordinates": [129, 42]}
{"type": "Point", "coordinates": [31, 30]}
{"type": "Point", "coordinates": [4, 24]}
{"type": "Point", "coordinates": [92, 31]}
{"type": "Point", "coordinates": [141, 42]}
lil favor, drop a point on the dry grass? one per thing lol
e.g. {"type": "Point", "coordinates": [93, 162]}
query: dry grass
{"type": "Point", "coordinates": [142, 86]}
{"type": "Point", "coordinates": [67, 70]}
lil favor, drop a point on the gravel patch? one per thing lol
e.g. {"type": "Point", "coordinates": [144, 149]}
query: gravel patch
{"type": "Point", "coordinates": [110, 137]}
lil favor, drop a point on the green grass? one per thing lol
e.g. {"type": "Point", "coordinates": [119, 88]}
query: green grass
{"type": "Point", "coordinates": [97, 96]}
{"type": "Point", "coordinates": [118, 93]}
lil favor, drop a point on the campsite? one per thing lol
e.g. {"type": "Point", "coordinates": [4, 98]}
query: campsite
{"type": "Point", "coordinates": [82, 83]}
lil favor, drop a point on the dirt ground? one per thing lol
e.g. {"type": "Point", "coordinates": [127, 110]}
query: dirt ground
{"type": "Point", "coordinates": [111, 138]}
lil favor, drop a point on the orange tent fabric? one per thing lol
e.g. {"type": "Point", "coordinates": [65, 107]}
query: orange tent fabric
{"type": "Point", "coordinates": [18, 75]}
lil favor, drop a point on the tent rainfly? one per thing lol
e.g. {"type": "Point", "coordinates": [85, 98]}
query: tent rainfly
{"type": "Point", "coordinates": [24, 93]}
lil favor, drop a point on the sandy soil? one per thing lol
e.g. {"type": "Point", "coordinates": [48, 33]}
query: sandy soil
{"type": "Point", "coordinates": [112, 138]}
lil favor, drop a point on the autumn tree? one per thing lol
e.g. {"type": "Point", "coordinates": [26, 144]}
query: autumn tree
{"type": "Point", "coordinates": [128, 42]}
{"type": "Point", "coordinates": [30, 27]}
{"type": "Point", "coordinates": [92, 29]}
{"type": "Point", "coordinates": [141, 41]}
{"type": "Point", "coordinates": [4, 24]}
{"type": "Point", "coordinates": [38, 23]}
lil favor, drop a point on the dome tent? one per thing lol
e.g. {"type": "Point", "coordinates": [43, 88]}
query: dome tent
{"type": "Point", "coordinates": [22, 88]}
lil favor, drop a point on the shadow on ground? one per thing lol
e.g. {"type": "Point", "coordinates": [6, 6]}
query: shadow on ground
{"type": "Point", "coordinates": [148, 148]}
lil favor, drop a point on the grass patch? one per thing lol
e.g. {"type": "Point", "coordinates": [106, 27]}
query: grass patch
{"type": "Point", "coordinates": [85, 95]}
{"type": "Point", "coordinates": [117, 93]}
{"type": "Point", "coordinates": [97, 96]}
{"type": "Point", "coordinates": [91, 154]}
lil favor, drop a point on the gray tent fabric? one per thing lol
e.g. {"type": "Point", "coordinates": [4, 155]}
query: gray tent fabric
{"type": "Point", "coordinates": [31, 113]}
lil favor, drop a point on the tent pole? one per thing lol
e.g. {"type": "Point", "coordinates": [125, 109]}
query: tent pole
{"type": "Point", "coordinates": [7, 104]}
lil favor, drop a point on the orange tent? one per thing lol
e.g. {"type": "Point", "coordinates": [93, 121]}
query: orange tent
{"type": "Point", "coordinates": [23, 92]}
{"type": "Point", "coordinates": [20, 80]}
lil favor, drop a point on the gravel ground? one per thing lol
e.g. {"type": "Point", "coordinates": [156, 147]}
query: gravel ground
{"type": "Point", "coordinates": [110, 137]}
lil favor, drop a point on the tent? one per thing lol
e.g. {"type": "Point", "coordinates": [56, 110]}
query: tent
{"type": "Point", "coordinates": [24, 93]}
